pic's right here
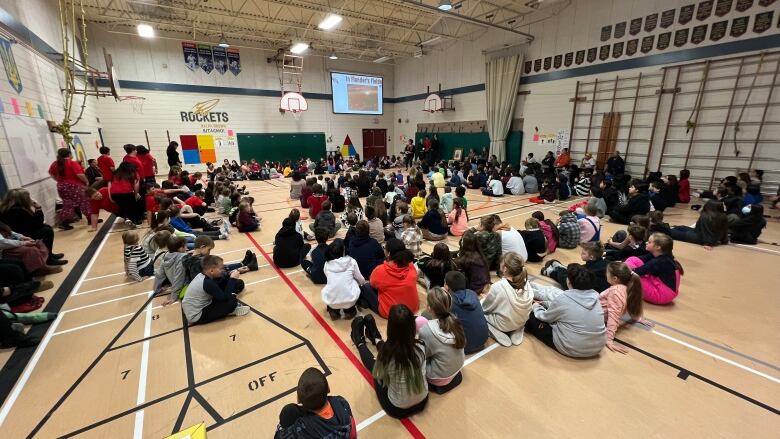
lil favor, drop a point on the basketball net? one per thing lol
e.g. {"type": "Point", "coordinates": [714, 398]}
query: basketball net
{"type": "Point", "coordinates": [136, 103]}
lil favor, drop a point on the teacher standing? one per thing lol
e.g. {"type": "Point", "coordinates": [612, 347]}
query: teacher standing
{"type": "Point", "coordinates": [173, 155]}
{"type": "Point", "coordinates": [71, 186]}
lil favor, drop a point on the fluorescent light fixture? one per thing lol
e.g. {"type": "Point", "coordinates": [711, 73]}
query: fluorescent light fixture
{"type": "Point", "coordinates": [383, 59]}
{"type": "Point", "coordinates": [330, 22]}
{"type": "Point", "coordinates": [333, 55]}
{"type": "Point", "coordinates": [223, 42]}
{"type": "Point", "coordinates": [145, 31]}
{"type": "Point", "coordinates": [445, 5]}
{"type": "Point", "coordinates": [299, 48]}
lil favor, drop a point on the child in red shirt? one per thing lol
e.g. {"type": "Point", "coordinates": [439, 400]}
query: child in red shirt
{"type": "Point", "coordinates": [148, 164]}
{"type": "Point", "coordinates": [132, 158]}
{"type": "Point", "coordinates": [99, 199]}
{"type": "Point", "coordinates": [315, 201]}
{"type": "Point", "coordinates": [197, 203]}
{"type": "Point", "coordinates": [106, 163]}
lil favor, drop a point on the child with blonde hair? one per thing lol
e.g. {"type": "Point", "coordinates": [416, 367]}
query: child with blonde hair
{"type": "Point", "coordinates": [509, 302]}
{"type": "Point", "coordinates": [138, 264]}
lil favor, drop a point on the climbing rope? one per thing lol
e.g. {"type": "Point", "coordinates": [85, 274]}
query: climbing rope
{"type": "Point", "coordinates": [69, 26]}
{"type": "Point", "coordinates": [737, 152]}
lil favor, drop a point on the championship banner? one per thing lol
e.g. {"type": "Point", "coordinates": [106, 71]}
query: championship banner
{"type": "Point", "coordinates": [234, 60]}
{"type": "Point", "coordinates": [11, 70]}
{"type": "Point", "coordinates": [190, 51]}
{"type": "Point", "coordinates": [205, 58]}
{"type": "Point", "coordinates": [220, 59]}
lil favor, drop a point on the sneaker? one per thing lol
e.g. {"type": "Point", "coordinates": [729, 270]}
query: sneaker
{"type": "Point", "coordinates": [358, 329]}
{"type": "Point", "coordinates": [350, 313]}
{"type": "Point", "coordinates": [52, 261]}
{"type": "Point", "coordinates": [44, 285]}
{"type": "Point", "coordinates": [252, 265]}
{"type": "Point", "coordinates": [223, 236]}
{"type": "Point", "coordinates": [241, 310]}
{"type": "Point", "coordinates": [57, 255]}
{"type": "Point", "coordinates": [551, 265]}
{"type": "Point", "coordinates": [25, 288]}
{"type": "Point", "coordinates": [371, 330]}
{"type": "Point", "coordinates": [334, 313]}
{"type": "Point", "coordinates": [129, 223]}
{"type": "Point", "coordinates": [308, 237]}
{"type": "Point", "coordinates": [20, 340]}
{"type": "Point", "coordinates": [247, 257]}
{"type": "Point", "coordinates": [66, 226]}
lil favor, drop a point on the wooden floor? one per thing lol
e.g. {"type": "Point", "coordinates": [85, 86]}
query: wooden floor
{"type": "Point", "coordinates": [117, 364]}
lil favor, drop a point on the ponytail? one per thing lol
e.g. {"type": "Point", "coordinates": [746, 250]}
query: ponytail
{"type": "Point", "coordinates": [440, 303]}
{"type": "Point", "coordinates": [62, 155]}
{"type": "Point", "coordinates": [516, 269]}
{"type": "Point", "coordinates": [634, 293]}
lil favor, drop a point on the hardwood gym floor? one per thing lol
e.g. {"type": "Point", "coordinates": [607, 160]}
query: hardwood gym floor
{"type": "Point", "coordinates": [117, 364]}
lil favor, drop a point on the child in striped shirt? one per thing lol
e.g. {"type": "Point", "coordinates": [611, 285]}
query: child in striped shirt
{"type": "Point", "coordinates": [138, 265]}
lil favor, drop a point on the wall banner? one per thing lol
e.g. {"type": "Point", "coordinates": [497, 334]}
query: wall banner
{"type": "Point", "coordinates": [220, 59]}
{"type": "Point", "coordinates": [11, 70]}
{"type": "Point", "coordinates": [190, 51]}
{"type": "Point", "coordinates": [205, 58]}
{"type": "Point", "coordinates": [234, 61]}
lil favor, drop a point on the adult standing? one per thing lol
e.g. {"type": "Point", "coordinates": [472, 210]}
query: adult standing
{"type": "Point", "coordinates": [427, 145]}
{"type": "Point", "coordinates": [148, 164]}
{"type": "Point", "coordinates": [548, 163]}
{"type": "Point", "coordinates": [409, 154]}
{"type": "Point", "coordinates": [173, 154]}
{"type": "Point", "coordinates": [23, 215]}
{"type": "Point", "coordinates": [615, 164]}
{"type": "Point", "coordinates": [71, 184]}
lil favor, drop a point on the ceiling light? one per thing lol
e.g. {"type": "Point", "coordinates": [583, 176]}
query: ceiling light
{"type": "Point", "coordinates": [333, 56]}
{"type": "Point", "coordinates": [330, 22]}
{"type": "Point", "coordinates": [383, 59]}
{"type": "Point", "coordinates": [145, 31]}
{"type": "Point", "coordinates": [223, 42]}
{"type": "Point", "coordinates": [445, 5]}
{"type": "Point", "coordinates": [299, 48]}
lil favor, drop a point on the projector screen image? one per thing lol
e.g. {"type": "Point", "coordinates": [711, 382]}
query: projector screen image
{"type": "Point", "coordinates": [356, 94]}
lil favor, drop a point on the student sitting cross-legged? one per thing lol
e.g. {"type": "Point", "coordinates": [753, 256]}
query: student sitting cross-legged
{"type": "Point", "coordinates": [205, 301]}
{"type": "Point", "coordinates": [571, 321]}
{"type": "Point", "coordinates": [466, 306]}
{"type": "Point", "coordinates": [343, 281]}
{"type": "Point", "coordinates": [315, 267]}
{"type": "Point", "coordinates": [193, 261]}
{"type": "Point", "coordinates": [171, 270]}
{"type": "Point", "coordinates": [444, 340]}
{"type": "Point", "coordinates": [508, 302]}
{"type": "Point", "coordinates": [316, 415]}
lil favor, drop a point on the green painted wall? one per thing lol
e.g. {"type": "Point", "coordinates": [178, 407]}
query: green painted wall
{"type": "Point", "coordinates": [448, 142]}
{"type": "Point", "coordinates": [281, 146]}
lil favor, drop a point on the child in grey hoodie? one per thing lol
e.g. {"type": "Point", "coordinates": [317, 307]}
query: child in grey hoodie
{"type": "Point", "coordinates": [172, 269]}
{"type": "Point", "coordinates": [444, 341]}
{"type": "Point", "coordinates": [571, 321]}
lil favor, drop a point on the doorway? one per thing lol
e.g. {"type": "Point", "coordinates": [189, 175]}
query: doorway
{"type": "Point", "coordinates": [374, 143]}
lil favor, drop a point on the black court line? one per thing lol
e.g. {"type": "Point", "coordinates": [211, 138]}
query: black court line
{"type": "Point", "coordinates": [560, 203]}
{"type": "Point", "coordinates": [14, 367]}
{"type": "Point", "coordinates": [182, 414]}
{"type": "Point", "coordinates": [684, 374]}
{"type": "Point", "coordinates": [89, 369]}
{"type": "Point", "coordinates": [250, 409]}
{"type": "Point", "coordinates": [144, 339]}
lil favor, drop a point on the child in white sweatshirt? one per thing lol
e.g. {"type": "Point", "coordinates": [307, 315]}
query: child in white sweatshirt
{"type": "Point", "coordinates": [509, 302]}
{"type": "Point", "coordinates": [344, 281]}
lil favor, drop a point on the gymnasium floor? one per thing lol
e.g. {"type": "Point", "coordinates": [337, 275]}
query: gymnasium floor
{"type": "Point", "coordinates": [117, 364]}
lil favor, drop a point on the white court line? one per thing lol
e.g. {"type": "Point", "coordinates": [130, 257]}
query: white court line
{"type": "Point", "coordinates": [110, 287]}
{"type": "Point", "coordinates": [17, 390]}
{"type": "Point", "coordinates": [717, 357]}
{"type": "Point", "coordinates": [380, 414]}
{"type": "Point", "coordinates": [757, 249]}
{"type": "Point", "coordinates": [138, 432]}
{"type": "Point", "coordinates": [100, 322]}
{"type": "Point", "coordinates": [104, 302]}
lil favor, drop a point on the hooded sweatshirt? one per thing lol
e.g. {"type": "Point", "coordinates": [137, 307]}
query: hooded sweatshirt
{"type": "Point", "coordinates": [173, 270]}
{"type": "Point", "coordinates": [341, 424]}
{"type": "Point", "coordinates": [367, 253]}
{"type": "Point", "coordinates": [465, 305]}
{"type": "Point", "coordinates": [569, 231]}
{"type": "Point", "coordinates": [444, 360]}
{"type": "Point", "coordinates": [344, 280]}
{"type": "Point", "coordinates": [395, 285]}
{"type": "Point", "coordinates": [507, 309]}
{"type": "Point", "coordinates": [287, 245]}
{"type": "Point", "coordinates": [577, 320]}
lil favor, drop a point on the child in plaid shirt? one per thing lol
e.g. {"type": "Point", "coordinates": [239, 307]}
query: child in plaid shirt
{"type": "Point", "coordinates": [412, 236]}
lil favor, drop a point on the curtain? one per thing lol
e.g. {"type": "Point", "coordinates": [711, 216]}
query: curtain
{"type": "Point", "coordinates": [502, 80]}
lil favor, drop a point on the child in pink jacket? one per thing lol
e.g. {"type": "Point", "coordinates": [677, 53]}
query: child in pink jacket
{"type": "Point", "coordinates": [623, 296]}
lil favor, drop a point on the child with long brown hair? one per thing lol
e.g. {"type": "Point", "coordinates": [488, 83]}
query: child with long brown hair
{"type": "Point", "coordinates": [444, 341]}
{"type": "Point", "coordinates": [432, 269]}
{"type": "Point", "coordinates": [623, 296]}
{"type": "Point", "coordinates": [659, 272]}
{"type": "Point", "coordinates": [473, 263]}
{"type": "Point", "coordinates": [509, 302]}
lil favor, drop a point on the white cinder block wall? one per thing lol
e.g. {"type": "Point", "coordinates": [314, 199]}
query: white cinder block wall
{"type": "Point", "coordinates": [41, 81]}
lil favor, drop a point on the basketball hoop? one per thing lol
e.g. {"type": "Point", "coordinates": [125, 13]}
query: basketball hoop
{"type": "Point", "coordinates": [136, 103]}
{"type": "Point", "coordinates": [293, 103]}
{"type": "Point", "coordinates": [433, 103]}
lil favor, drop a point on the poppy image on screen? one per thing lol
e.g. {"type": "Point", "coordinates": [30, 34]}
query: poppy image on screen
{"type": "Point", "coordinates": [362, 97]}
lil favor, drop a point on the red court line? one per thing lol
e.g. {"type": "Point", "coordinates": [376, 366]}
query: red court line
{"type": "Point", "coordinates": [410, 427]}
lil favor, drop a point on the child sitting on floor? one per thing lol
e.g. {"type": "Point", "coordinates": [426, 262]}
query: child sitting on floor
{"type": "Point", "coordinates": [245, 221]}
{"type": "Point", "coordinates": [632, 245]}
{"type": "Point", "coordinates": [568, 230]}
{"type": "Point", "coordinates": [316, 414]}
{"type": "Point", "coordinates": [550, 230]}
{"type": "Point", "coordinates": [508, 302]}
{"type": "Point", "coordinates": [466, 306]}
{"type": "Point", "coordinates": [658, 270]}
{"type": "Point", "coordinates": [205, 301]}
{"type": "Point", "coordinates": [138, 265]}
{"type": "Point", "coordinates": [172, 272]}
{"type": "Point", "coordinates": [314, 264]}
{"type": "Point", "coordinates": [343, 282]}
{"type": "Point", "coordinates": [412, 236]}
{"type": "Point", "coordinates": [535, 241]}
{"type": "Point", "coordinates": [326, 220]}
{"type": "Point", "coordinates": [623, 296]}
{"type": "Point", "coordinates": [444, 340]}
{"type": "Point", "coordinates": [418, 205]}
